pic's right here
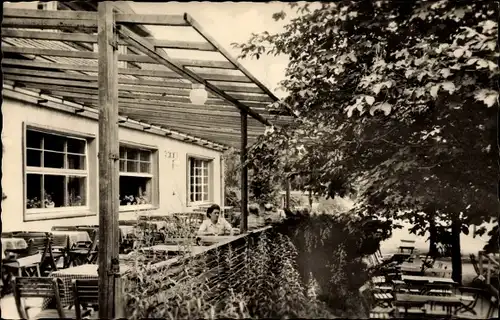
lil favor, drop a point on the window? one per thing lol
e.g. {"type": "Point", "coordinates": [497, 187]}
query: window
{"type": "Point", "coordinates": [56, 171]}
{"type": "Point", "coordinates": [136, 176]}
{"type": "Point", "coordinates": [199, 186]}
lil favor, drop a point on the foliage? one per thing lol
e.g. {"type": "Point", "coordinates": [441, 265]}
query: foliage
{"type": "Point", "coordinates": [396, 99]}
{"type": "Point", "coordinates": [330, 248]}
{"type": "Point", "coordinates": [270, 287]}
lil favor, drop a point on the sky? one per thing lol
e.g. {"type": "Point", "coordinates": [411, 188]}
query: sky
{"type": "Point", "coordinates": [227, 22]}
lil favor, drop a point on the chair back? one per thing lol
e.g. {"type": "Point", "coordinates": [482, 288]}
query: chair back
{"type": "Point", "coordinates": [59, 240]}
{"type": "Point", "coordinates": [64, 228]}
{"type": "Point", "coordinates": [37, 245]}
{"type": "Point", "coordinates": [36, 287]}
{"type": "Point", "coordinates": [92, 254]}
{"type": "Point", "coordinates": [85, 293]}
{"type": "Point", "coordinates": [89, 229]}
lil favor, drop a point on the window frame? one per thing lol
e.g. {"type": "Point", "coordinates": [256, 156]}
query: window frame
{"type": "Point", "coordinates": [210, 164]}
{"type": "Point", "coordinates": [154, 176]}
{"type": "Point", "coordinates": [37, 214]}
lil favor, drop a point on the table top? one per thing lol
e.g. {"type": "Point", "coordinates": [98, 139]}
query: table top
{"type": "Point", "coordinates": [407, 241]}
{"type": "Point", "coordinates": [404, 297]}
{"type": "Point", "coordinates": [84, 269]}
{"type": "Point", "coordinates": [419, 269]}
{"type": "Point", "coordinates": [426, 279]}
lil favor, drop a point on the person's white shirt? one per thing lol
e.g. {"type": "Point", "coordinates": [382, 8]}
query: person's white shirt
{"type": "Point", "coordinates": [221, 227]}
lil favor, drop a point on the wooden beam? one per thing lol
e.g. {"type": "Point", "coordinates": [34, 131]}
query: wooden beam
{"type": "Point", "coordinates": [227, 55]}
{"type": "Point", "coordinates": [50, 14]}
{"type": "Point", "coordinates": [211, 128]}
{"type": "Point", "coordinates": [121, 57]}
{"type": "Point", "coordinates": [244, 173]}
{"type": "Point", "coordinates": [188, 121]}
{"type": "Point", "coordinates": [49, 23]}
{"type": "Point", "coordinates": [151, 19]}
{"type": "Point", "coordinates": [235, 62]}
{"type": "Point", "coordinates": [135, 72]}
{"type": "Point", "coordinates": [244, 95]}
{"type": "Point", "coordinates": [108, 164]}
{"type": "Point", "coordinates": [92, 38]}
{"type": "Point", "coordinates": [162, 58]}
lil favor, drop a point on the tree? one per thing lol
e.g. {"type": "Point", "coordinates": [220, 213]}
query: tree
{"type": "Point", "coordinates": [398, 99]}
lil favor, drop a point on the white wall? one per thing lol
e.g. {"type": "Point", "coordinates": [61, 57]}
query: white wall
{"type": "Point", "coordinates": [172, 178]}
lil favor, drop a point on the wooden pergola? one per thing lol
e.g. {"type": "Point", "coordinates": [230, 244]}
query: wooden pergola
{"type": "Point", "coordinates": [106, 63]}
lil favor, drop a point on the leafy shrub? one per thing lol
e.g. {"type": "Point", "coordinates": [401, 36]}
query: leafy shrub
{"type": "Point", "coordinates": [307, 267]}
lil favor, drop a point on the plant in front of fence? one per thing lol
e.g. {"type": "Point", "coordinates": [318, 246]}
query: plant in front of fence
{"type": "Point", "coordinates": [255, 278]}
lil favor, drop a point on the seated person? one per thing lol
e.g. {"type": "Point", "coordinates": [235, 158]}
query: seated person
{"type": "Point", "coordinates": [215, 225]}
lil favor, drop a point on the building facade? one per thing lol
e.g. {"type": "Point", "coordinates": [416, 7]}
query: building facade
{"type": "Point", "coordinates": [51, 175]}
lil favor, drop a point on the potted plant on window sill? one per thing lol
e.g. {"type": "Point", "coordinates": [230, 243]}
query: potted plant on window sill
{"type": "Point", "coordinates": [48, 201]}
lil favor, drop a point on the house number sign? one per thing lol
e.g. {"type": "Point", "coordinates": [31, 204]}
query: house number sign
{"type": "Point", "coordinates": [170, 155]}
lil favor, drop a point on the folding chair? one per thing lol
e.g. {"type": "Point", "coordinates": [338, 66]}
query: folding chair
{"type": "Point", "coordinates": [28, 287]}
{"type": "Point", "coordinates": [85, 295]}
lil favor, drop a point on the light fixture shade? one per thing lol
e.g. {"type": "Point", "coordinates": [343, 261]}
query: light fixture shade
{"type": "Point", "coordinates": [198, 94]}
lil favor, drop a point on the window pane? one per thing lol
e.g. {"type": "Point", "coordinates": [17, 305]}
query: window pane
{"type": "Point", "coordinates": [76, 162]}
{"type": "Point", "coordinates": [145, 167]}
{"type": "Point", "coordinates": [205, 180]}
{"type": "Point", "coordinates": [33, 191]}
{"type": "Point", "coordinates": [76, 146]}
{"type": "Point", "coordinates": [205, 196]}
{"type": "Point", "coordinates": [53, 142]}
{"type": "Point", "coordinates": [132, 154]}
{"type": "Point", "coordinates": [54, 191]}
{"type": "Point", "coordinates": [198, 180]}
{"type": "Point", "coordinates": [205, 170]}
{"type": "Point", "coordinates": [131, 166]}
{"type": "Point", "coordinates": [191, 168]}
{"type": "Point", "coordinates": [53, 160]}
{"type": "Point", "coordinates": [122, 165]}
{"type": "Point", "coordinates": [133, 190]}
{"type": "Point", "coordinates": [33, 139]}
{"type": "Point", "coordinates": [34, 158]}
{"type": "Point", "coordinates": [145, 155]}
{"type": "Point", "coordinates": [191, 197]}
{"type": "Point", "coordinates": [122, 153]}
{"type": "Point", "coordinates": [76, 191]}
{"type": "Point", "coordinates": [197, 188]}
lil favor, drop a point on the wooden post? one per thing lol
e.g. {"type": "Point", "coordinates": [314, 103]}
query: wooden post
{"type": "Point", "coordinates": [287, 194]}
{"type": "Point", "coordinates": [108, 160]}
{"type": "Point", "coordinates": [244, 174]}
{"type": "Point", "coordinates": [222, 185]}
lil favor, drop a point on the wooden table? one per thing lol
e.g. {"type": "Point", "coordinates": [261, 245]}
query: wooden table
{"type": "Point", "coordinates": [415, 300]}
{"type": "Point", "coordinates": [424, 279]}
{"type": "Point", "coordinates": [73, 236]}
{"type": "Point", "coordinates": [84, 271]}
{"type": "Point", "coordinates": [13, 243]}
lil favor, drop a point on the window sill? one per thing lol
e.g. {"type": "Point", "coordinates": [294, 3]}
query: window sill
{"type": "Point", "coordinates": [57, 213]}
{"type": "Point", "coordinates": [140, 207]}
{"type": "Point", "coordinates": [199, 204]}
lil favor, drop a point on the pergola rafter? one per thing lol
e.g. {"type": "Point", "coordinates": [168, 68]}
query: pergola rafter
{"type": "Point", "coordinates": [155, 82]}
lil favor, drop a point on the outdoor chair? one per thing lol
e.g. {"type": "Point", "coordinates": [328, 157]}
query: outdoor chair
{"type": "Point", "coordinates": [375, 311]}
{"type": "Point", "coordinates": [29, 261]}
{"type": "Point", "coordinates": [85, 295]}
{"type": "Point", "coordinates": [88, 228]}
{"type": "Point", "coordinates": [29, 287]}
{"type": "Point", "coordinates": [84, 252]}
{"type": "Point", "coordinates": [470, 296]}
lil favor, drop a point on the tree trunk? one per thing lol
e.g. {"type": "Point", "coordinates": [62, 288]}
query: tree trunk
{"type": "Point", "coordinates": [433, 252]}
{"type": "Point", "coordinates": [456, 256]}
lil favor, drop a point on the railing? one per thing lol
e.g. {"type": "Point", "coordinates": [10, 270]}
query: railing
{"type": "Point", "coordinates": [222, 266]}
{"type": "Point", "coordinates": [492, 264]}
